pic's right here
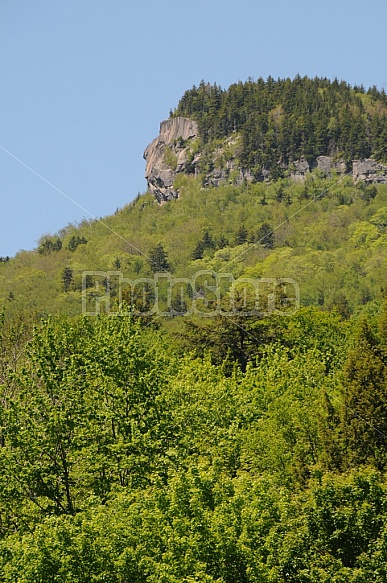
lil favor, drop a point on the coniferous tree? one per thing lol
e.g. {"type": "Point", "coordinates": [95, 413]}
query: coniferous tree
{"type": "Point", "coordinates": [265, 236]}
{"type": "Point", "coordinates": [208, 241]}
{"type": "Point", "coordinates": [197, 253]}
{"type": "Point", "coordinates": [364, 417]}
{"type": "Point", "coordinates": [67, 278]}
{"type": "Point", "coordinates": [48, 245]}
{"type": "Point", "coordinates": [222, 242]}
{"type": "Point", "coordinates": [241, 235]}
{"type": "Point", "coordinates": [158, 259]}
{"type": "Point", "coordinates": [75, 241]}
{"type": "Point", "coordinates": [281, 120]}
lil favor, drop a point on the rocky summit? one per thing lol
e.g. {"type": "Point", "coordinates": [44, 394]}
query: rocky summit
{"type": "Point", "coordinates": [177, 150]}
{"type": "Point", "coordinates": [261, 131]}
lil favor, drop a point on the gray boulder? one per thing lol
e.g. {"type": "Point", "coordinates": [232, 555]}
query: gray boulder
{"type": "Point", "coordinates": [370, 171]}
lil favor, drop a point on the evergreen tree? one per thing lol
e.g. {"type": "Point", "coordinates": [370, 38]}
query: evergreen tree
{"type": "Point", "coordinates": [281, 120]}
{"type": "Point", "coordinates": [364, 416]}
{"type": "Point", "coordinates": [197, 253]}
{"type": "Point", "coordinates": [48, 245]}
{"type": "Point", "coordinates": [241, 235]}
{"type": "Point", "coordinates": [67, 278]}
{"type": "Point", "coordinates": [158, 259]}
{"type": "Point", "coordinates": [75, 241]}
{"type": "Point", "coordinates": [265, 236]}
{"type": "Point", "coordinates": [208, 241]}
{"type": "Point", "coordinates": [222, 242]}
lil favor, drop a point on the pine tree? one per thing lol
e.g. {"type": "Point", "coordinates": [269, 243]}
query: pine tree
{"type": "Point", "coordinates": [208, 241]}
{"type": "Point", "coordinates": [222, 242]}
{"type": "Point", "coordinates": [364, 415]}
{"type": "Point", "coordinates": [265, 236]}
{"type": "Point", "coordinates": [197, 253]}
{"type": "Point", "coordinates": [67, 278]}
{"type": "Point", "coordinates": [75, 241]}
{"type": "Point", "coordinates": [158, 259]}
{"type": "Point", "coordinates": [48, 245]}
{"type": "Point", "coordinates": [241, 235]}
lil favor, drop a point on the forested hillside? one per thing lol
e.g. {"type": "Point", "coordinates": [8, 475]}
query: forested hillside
{"type": "Point", "coordinates": [328, 235]}
{"type": "Point", "coordinates": [284, 119]}
{"type": "Point", "coordinates": [242, 442]}
{"type": "Point", "coordinates": [122, 459]}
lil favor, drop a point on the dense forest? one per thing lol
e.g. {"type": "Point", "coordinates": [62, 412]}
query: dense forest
{"type": "Point", "coordinates": [126, 458]}
{"type": "Point", "coordinates": [284, 119]}
{"type": "Point", "coordinates": [328, 235]}
{"type": "Point", "coordinates": [227, 446]}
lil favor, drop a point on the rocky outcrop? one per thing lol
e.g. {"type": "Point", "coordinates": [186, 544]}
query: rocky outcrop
{"type": "Point", "coordinates": [172, 153]}
{"type": "Point", "coordinates": [298, 169]}
{"type": "Point", "coordinates": [370, 171]}
{"type": "Point", "coordinates": [166, 156]}
{"type": "Point", "coordinates": [326, 164]}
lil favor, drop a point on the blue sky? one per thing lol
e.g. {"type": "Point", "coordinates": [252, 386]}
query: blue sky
{"type": "Point", "coordinates": [85, 84]}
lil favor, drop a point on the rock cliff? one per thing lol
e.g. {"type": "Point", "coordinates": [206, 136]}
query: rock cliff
{"type": "Point", "coordinates": [370, 171]}
{"type": "Point", "coordinates": [174, 152]}
{"type": "Point", "coordinates": [166, 156]}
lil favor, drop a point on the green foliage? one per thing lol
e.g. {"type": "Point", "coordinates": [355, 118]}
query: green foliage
{"type": "Point", "coordinates": [197, 253]}
{"type": "Point", "coordinates": [364, 424]}
{"type": "Point", "coordinates": [195, 471]}
{"type": "Point", "coordinates": [335, 252]}
{"type": "Point", "coordinates": [245, 447]}
{"type": "Point", "coordinates": [158, 259]}
{"type": "Point", "coordinates": [85, 418]}
{"type": "Point", "coordinates": [207, 242]}
{"type": "Point", "coordinates": [265, 236]}
{"type": "Point", "coordinates": [281, 120]}
{"type": "Point", "coordinates": [241, 235]}
{"type": "Point", "coordinates": [67, 278]}
{"type": "Point", "coordinates": [48, 245]}
{"type": "Point", "coordinates": [75, 241]}
{"type": "Point", "coordinates": [170, 158]}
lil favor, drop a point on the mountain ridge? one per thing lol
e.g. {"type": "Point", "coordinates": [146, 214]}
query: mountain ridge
{"type": "Point", "coordinates": [296, 222]}
{"type": "Point", "coordinates": [176, 151]}
{"type": "Point", "coordinates": [268, 129]}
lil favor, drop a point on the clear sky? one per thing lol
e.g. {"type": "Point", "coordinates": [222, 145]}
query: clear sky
{"type": "Point", "coordinates": [85, 84]}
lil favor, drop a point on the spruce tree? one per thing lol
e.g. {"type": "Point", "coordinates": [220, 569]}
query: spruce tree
{"type": "Point", "coordinates": [158, 259]}
{"type": "Point", "coordinates": [364, 414]}
{"type": "Point", "coordinates": [67, 278]}
{"type": "Point", "coordinates": [265, 236]}
{"type": "Point", "coordinates": [241, 235]}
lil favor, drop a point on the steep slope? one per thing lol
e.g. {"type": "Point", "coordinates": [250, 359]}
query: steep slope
{"type": "Point", "coordinates": [329, 236]}
{"type": "Point", "coordinates": [237, 448]}
{"type": "Point", "coordinates": [297, 196]}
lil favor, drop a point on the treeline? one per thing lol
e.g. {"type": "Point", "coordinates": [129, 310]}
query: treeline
{"type": "Point", "coordinates": [284, 119]}
{"type": "Point", "coordinates": [124, 459]}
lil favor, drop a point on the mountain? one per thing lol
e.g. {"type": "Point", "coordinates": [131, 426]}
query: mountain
{"type": "Point", "coordinates": [299, 161]}
{"type": "Point", "coordinates": [326, 234]}
{"type": "Point", "coordinates": [280, 121]}
{"type": "Point", "coordinates": [264, 130]}
{"type": "Point", "coordinates": [194, 388]}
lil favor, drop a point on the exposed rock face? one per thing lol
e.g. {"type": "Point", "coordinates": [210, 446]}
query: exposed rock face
{"type": "Point", "coordinates": [370, 171]}
{"type": "Point", "coordinates": [170, 154]}
{"type": "Point", "coordinates": [326, 164]}
{"type": "Point", "coordinates": [166, 156]}
{"type": "Point", "coordinates": [300, 168]}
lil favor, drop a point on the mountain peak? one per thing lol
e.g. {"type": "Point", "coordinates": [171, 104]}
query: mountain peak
{"type": "Point", "coordinates": [264, 130]}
